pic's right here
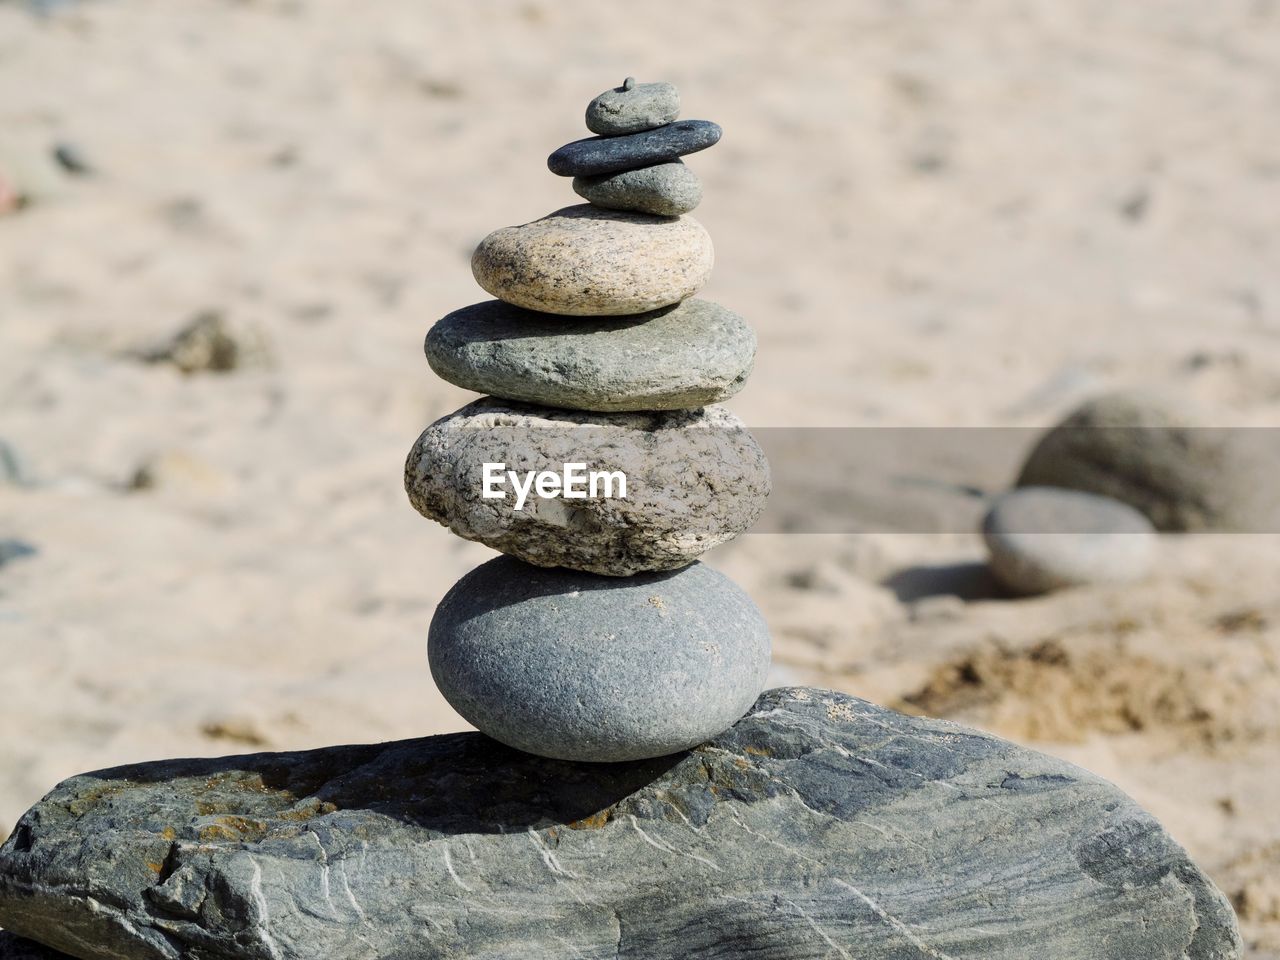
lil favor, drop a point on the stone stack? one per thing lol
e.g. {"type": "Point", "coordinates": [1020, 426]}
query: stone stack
{"type": "Point", "coordinates": [599, 637]}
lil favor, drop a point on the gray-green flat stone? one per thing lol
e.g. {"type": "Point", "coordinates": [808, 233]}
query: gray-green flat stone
{"type": "Point", "coordinates": [680, 357]}
{"type": "Point", "coordinates": [633, 107]}
{"type": "Point", "coordinates": [665, 189]}
{"type": "Point", "coordinates": [576, 666]}
{"type": "Point", "coordinates": [819, 825]}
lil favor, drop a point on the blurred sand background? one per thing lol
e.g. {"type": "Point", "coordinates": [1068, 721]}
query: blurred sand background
{"type": "Point", "coordinates": [935, 214]}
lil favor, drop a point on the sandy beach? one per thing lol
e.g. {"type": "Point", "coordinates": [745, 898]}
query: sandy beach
{"type": "Point", "coordinates": [935, 215]}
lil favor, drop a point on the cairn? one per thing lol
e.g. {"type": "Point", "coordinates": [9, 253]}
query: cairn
{"type": "Point", "coordinates": [598, 462]}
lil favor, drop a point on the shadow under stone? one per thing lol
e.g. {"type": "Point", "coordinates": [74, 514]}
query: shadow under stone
{"type": "Point", "coordinates": [16, 948]}
{"type": "Point", "coordinates": [968, 581]}
{"type": "Point", "coordinates": [451, 784]}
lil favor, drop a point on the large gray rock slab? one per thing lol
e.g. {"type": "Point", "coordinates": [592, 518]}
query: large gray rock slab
{"type": "Point", "coordinates": [587, 261]}
{"type": "Point", "coordinates": [1167, 459]}
{"type": "Point", "coordinates": [677, 358]}
{"type": "Point", "coordinates": [694, 479]}
{"type": "Point", "coordinates": [818, 826]}
{"type": "Point", "coordinates": [577, 666]}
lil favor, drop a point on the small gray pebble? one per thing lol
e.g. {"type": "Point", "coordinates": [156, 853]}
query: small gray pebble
{"type": "Point", "coordinates": [676, 358]}
{"type": "Point", "coordinates": [633, 107]}
{"type": "Point", "coordinates": [72, 159]}
{"type": "Point", "coordinates": [580, 667]}
{"type": "Point", "coordinates": [14, 549]}
{"type": "Point", "coordinates": [665, 189]}
{"type": "Point", "coordinates": [11, 470]}
{"type": "Point", "coordinates": [1043, 538]}
{"type": "Point", "coordinates": [206, 343]}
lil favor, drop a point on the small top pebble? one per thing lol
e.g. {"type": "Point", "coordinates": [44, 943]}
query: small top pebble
{"type": "Point", "coordinates": [633, 107]}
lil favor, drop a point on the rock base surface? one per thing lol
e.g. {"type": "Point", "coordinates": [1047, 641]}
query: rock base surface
{"type": "Point", "coordinates": [818, 826]}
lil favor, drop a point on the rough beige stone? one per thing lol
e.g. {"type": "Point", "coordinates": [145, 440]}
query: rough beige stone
{"type": "Point", "coordinates": [587, 261]}
{"type": "Point", "coordinates": [695, 479]}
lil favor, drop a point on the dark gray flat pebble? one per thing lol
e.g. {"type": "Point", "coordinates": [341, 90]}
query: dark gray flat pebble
{"type": "Point", "coordinates": [596, 155]}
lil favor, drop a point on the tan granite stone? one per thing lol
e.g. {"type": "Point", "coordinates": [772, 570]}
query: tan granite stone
{"type": "Point", "coordinates": [586, 261]}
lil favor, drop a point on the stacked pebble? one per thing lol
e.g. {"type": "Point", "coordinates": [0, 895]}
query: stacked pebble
{"type": "Point", "coordinates": [599, 637]}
